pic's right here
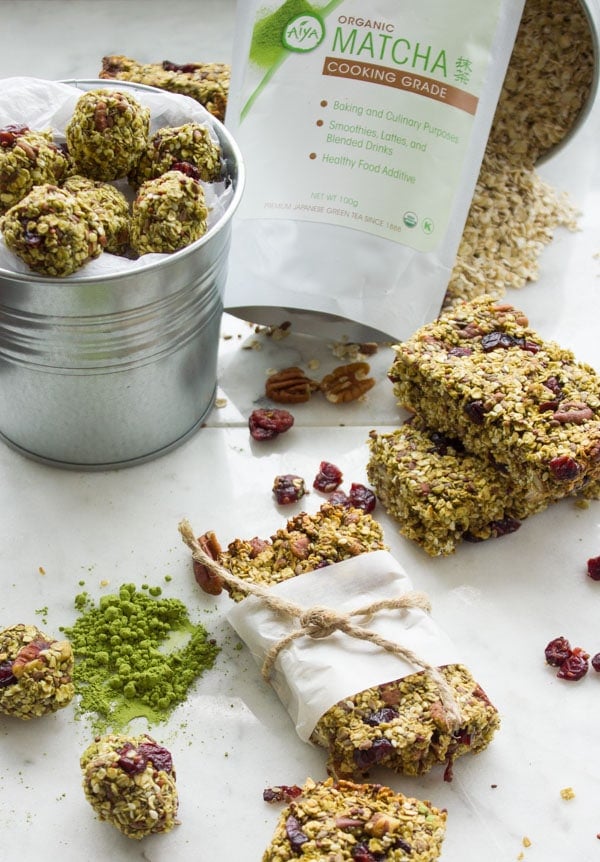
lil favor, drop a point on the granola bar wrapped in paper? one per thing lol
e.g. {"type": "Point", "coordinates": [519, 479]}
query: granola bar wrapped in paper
{"type": "Point", "coordinates": [35, 672]}
{"type": "Point", "coordinates": [366, 702]}
{"type": "Point", "coordinates": [346, 821]}
{"type": "Point", "coordinates": [130, 782]}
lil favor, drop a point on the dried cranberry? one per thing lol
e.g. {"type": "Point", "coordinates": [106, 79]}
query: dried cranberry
{"type": "Point", "coordinates": [339, 498]}
{"type": "Point", "coordinates": [564, 468]}
{"type": "Point", "coordinates": [595, 662]}
{"type": "Point", "coordinates": [295, 835]}
{"type": "Point", "coordinates": [441, 443]}
{"type": "Point", "coordinates": [504, 527]}
{"type": "Point", "coordinates": [475, 410]}
{"type": "Point", "coordinates": [10, 133]}
{"type": "Point", "coordinates": [381, 716]}
{"type": "Point", "coordinates": [493, 340]}
{"type": "Point", "coordinates": [557, 651]}
{"type": "Point", "coordinates": [361, 497]}
{"type": "Point", "coordinates": [282, 793]}
{"type": "Point", "coordinates": [188, 169]}
{"type": "Point", "coordinates": [593, 568]}
{"type": "Point", "coordinates": [554, 385]}
{"type": "Point", "coordinates": [401, 844]}
{"type": "Point", "coordinates": [460, 351]}
{"type": "Point", "coordinates": [361, 853]}
{"type": "Point", "coordinates": [574, 667]}
{"type": "Point", "coordinates": [265, 424]}
{"type": "Point", "coordinates": [7, 677]}
{"type": "Point", "coordinates": [366, 757]}
{"type": "Point", "coordinates": [134, 760]}
{"type": "Point", "coordinates": [288, 488]}
{"type": "Point", "coordinates": [185, 68]}
{"type": "Point", "coordinates": [328, 478]}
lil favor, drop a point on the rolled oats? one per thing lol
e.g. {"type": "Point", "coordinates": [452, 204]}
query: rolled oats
{"type": "Point", "coordinates": [190, 143]}
{"type": "Point", "coordinates": [345, 821]}
{"type": "Point", "coordinates": [28, 159]}
{"type": "Point", "coordinates": [109, 204]}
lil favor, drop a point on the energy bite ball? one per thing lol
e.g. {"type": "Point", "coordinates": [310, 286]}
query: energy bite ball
{"type": "Point", "coordinates": [109, 204]}
{"type": "Point", "coordinates": [35, 672]}
{"type": "Point", "coordinates": [52, 231]}
{"type": "Point", "coordinates": [130, 782]}
{"type": "Point", "coordinates": [190, 144]}
{"type": "Point", "coordinates": [107, 134]}
{"type": "Point", "coordinates": [169, 213]}
{"type": "Point", "coordinates": [27, 159]}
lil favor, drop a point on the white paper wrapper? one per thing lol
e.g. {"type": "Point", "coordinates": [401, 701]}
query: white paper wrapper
{"type": "Point", "coordinates": [43, 105]}
{"type": "Point", "coordinates": [311, 675]}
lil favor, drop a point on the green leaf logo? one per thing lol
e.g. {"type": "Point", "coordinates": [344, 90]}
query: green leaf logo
{"type": "Point", "coordinates": [303, 33]}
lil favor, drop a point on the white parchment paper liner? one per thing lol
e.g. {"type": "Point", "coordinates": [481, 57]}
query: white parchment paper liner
{"type": "Point", "coordinates": [311, 675]}
{"type": "Point", "coordinates": [42, 105]}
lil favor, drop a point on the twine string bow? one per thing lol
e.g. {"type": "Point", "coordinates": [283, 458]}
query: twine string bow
{"type": "Point", "coordinates": [320, 622]}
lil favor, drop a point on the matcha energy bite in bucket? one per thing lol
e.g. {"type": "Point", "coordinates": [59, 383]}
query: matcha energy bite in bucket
{"type": "Point", "coordinates": [115, 363]}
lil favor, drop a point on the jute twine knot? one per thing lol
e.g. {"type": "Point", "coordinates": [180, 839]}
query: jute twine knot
{"type": "Point", "coordinates": [321, 622]}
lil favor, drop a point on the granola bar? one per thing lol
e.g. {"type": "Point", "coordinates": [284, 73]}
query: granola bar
{"type": "Point", "coordinates": [480, 373]}
{"type": "Point", "coordinates": [347, 822]}
{"type": "Point", "coordinates": [109, 204]}
{"type": "Point", "coordinates": [35, 672]}
{"type": "Point", "coordinates": [206, 83]}
{"type": "Point", "coordinates": [400, 724]}
{"type": "Point", "coordinates": [52, 231]}
{"type": "Point", "coordinates": [130, 782]}
{"type": "Point", "coordinates": [168, 213]}
{"type": "Point", "coordinates": [107, 133]}
{"type": "Point", "coordinates": [441, 494]}
{"type": "Point", "coordinates": [27, 159]}
{"type": "Point", "coordinates": [189, 146]}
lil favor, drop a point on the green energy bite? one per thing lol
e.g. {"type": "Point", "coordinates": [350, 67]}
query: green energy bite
{"type": "Point", "coordinates": [35, 672]}
{"type": "Point", "coordinates": [168, 214]}
{"type": "Point", "coordinates": [346, 822]}
{"type": "Point", "coordinates": [206, 83]}
{"type": "Point", "coordinates": [440, 494]}
{"type": "Point", "coordinates": [400, 724]}
{"type": "Point", "coordinates": [107, 134]}
{"type": "Point", "coordinates": [130, 782]}
{"type": "Point", "coordinates": [28, 159]}
{"type": "Point", "coordinates": [480, 373]}
{"type": "Point", "coordinates": [53, 231]}
{"type": "Point", "coordinates": [189, 145]}
{"type": "Point", "coordinates": [109, 204]}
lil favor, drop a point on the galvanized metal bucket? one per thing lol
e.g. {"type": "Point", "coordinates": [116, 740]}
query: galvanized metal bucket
{"type": "Point", "coordinates": [99, 373]}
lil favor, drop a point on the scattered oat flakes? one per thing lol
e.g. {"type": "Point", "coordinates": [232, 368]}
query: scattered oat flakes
{"type": "Point", "coordinates": [567, 793]}
{"type": "Point", "coordinates": [220, 402]}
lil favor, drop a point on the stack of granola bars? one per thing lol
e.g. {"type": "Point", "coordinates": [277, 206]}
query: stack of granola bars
{"type": "Point", "coordinates": [505, 424]}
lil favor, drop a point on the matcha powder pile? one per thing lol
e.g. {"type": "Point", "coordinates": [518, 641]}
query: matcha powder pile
{"type": "Point", "coordinates": [136, 656]}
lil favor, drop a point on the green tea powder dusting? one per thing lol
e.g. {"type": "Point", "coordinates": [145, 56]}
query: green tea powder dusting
{"type": "Point", "coordinates": [267, 37]}
{"type": "Point", "coordinates": [136, 656]}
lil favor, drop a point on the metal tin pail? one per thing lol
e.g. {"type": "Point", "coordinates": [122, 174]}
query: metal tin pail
{"type": "Point", "coordinates": [106, 372]}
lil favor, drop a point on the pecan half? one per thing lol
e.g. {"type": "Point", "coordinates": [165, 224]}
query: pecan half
{"type": "Point", "coordinates": [290, 386]}
{"type": "Point", "coordinates": [347, 382]}
{"type": "Point", "coordinates": [208, 580]}
{"type": "Point", "coordinates": [573, 411]}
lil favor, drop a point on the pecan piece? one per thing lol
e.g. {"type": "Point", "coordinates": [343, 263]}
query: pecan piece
{"type": "Point", "coordinates": [347, 382]}
{"type": "Point", "coordinates": [208, 580]}
{"type": "Point", "coordinates": [573, 411]}
{"type": "Point", "coordinates": [290, 386]}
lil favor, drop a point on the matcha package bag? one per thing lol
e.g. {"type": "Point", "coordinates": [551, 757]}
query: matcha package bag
{"type": "Point", "coordinates": [362, 126]}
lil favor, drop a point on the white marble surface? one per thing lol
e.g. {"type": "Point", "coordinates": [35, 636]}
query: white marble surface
{"type": "Point", "coordinates": [501, 602]}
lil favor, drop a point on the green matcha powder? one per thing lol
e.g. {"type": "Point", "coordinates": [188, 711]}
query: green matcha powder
{"type": "Point", "coordinates": [136, 656]}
